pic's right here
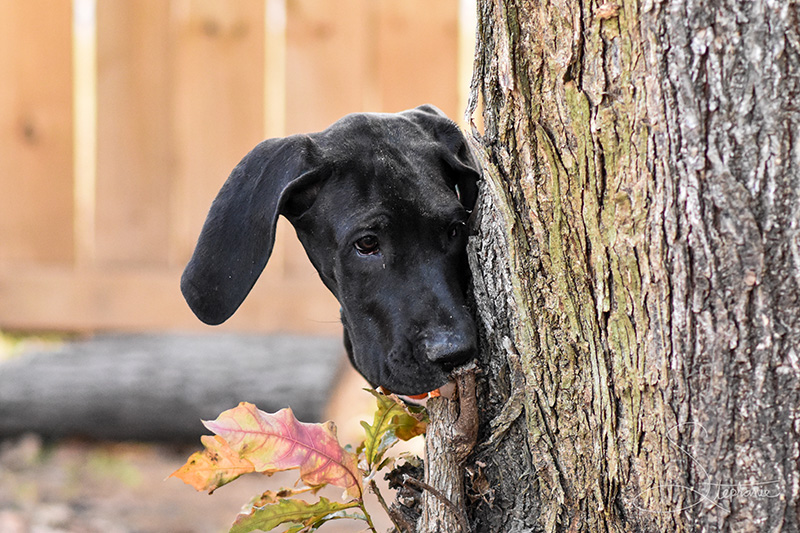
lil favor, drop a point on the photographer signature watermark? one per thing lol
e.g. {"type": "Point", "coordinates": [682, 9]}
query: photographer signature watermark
{"type": "Point", "coordinates": [708, 491]}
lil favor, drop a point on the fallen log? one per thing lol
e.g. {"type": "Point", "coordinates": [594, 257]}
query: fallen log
{"type": "Point", "coordinates": [159, 387]}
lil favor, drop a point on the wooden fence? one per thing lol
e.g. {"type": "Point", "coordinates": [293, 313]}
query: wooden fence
{"type": "Point", "coordinates": [120, 119]}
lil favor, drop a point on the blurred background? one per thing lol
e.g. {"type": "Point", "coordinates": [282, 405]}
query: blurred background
{"type": "Point", "coordinates": [119, 122]}
{"type": "Point", "coordinates": [121, 119]}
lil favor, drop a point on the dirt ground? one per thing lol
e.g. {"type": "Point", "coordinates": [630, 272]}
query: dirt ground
{"type": "Point", "coordinates": [91, 487]}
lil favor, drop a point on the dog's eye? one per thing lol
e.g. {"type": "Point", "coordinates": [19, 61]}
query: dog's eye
{"type": "Point", "coordinates": [455, 230]}
{"type": "Point", "coordinates": [367, 245]}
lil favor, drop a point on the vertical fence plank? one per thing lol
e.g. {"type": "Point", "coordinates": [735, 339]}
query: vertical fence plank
{"type": "Point", "coordinates": [133, 133]}
{"type": "Point", "coordinates": [326, 73]}
{"type": "Point", "coordinates": [36, 176]}
{"type": "Point", "coordinates": [418, 54]}
{"type": "Point", "coordinates": [326, 70]}
{"type": "Point", "coordinates": [218, 103]}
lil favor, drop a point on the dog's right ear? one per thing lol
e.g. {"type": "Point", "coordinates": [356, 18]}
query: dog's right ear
{"type": "Point", "coordinates": [239, 232]}
{"type": "Point", "coordinates": [467, 171]}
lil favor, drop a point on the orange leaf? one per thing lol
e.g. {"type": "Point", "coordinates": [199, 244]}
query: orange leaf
{"type": "Point", "coordinates": [276, 442]}
{"type": "Point", "coordinates": [217, 465]}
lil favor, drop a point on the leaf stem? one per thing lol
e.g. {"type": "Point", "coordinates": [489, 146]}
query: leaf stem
{"type": "Point", "coordinates": [367, 516]}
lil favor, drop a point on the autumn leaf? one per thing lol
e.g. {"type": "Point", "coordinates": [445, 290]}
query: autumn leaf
{"type": "Point", "coordinates": [269, 497]}
{"type": "Point", "coordinates": [392, 422]}
{"type": "Point", "coordinates": [277, 442]}
{"type": "Point", "coordinates": [305, 515]}
{"type": "Point", "coordinates": [217, 465]}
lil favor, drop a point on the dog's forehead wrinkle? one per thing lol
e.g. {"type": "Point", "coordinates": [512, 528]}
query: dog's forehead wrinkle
{"type": "Point", "coordinates": [418, 197]}
{"type": "Point", "coordinates": [416, 213]}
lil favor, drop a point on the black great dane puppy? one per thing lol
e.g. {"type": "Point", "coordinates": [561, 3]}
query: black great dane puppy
{"type": "Point", "coordinates": [380, 203]}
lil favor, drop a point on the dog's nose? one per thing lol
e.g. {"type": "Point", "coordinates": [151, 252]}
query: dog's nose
{"type": "Point", "coordinates": [449, 349]}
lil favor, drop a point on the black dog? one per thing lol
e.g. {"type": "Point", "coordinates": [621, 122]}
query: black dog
{"type": "Point", "coordinates": [380, 203]}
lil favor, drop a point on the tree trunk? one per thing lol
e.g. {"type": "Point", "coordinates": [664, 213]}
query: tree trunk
{"type": "Point", "coordinates": [637, 266]}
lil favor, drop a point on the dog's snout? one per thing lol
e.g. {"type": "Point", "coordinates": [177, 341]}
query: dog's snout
{"type": "Point", "coordinates": [449, 349]}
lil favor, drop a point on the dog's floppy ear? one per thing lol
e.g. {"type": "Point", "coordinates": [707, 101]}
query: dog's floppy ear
{"type": "Point", "coordinates": [458, 155]}
{"type": "Point", "coordinates": [239, 232]}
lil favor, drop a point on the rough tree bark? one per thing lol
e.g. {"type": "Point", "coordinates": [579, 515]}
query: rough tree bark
{"type": "Point", "coordinates": [637, 266]}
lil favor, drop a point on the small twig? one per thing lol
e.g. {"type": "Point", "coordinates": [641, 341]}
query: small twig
{"type": "Point", "coordinates": [406, 526]}
{"type": "Point", "coordinates": [458, 513]}
{"type": "Point", "coordinates": [367, 516]}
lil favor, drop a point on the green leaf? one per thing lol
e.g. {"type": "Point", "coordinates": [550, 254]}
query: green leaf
{"type": "Point", "coordinates": [301, 514]}
{"type": "Point", "coordinates": [393, 421]}
{"type": "Point", "coordinates": [269, 497]}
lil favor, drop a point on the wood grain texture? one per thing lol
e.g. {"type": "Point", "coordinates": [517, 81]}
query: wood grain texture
{"type": "Point", "coordinates": [326, 72]}
{"type": "Point", "coordinates": [415, 56]}
{"type": "Point", "coordinates": [141, 299]}
{"type": "Point", "coordinates": [36, 205]}
{"type": "Point", "coordinates": [133, 186]}
{"type": "Point", "coordinates": [217, 105]}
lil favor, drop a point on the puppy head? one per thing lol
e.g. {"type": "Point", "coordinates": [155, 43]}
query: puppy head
{"type": "Point", "coordinates": [380, 202]}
